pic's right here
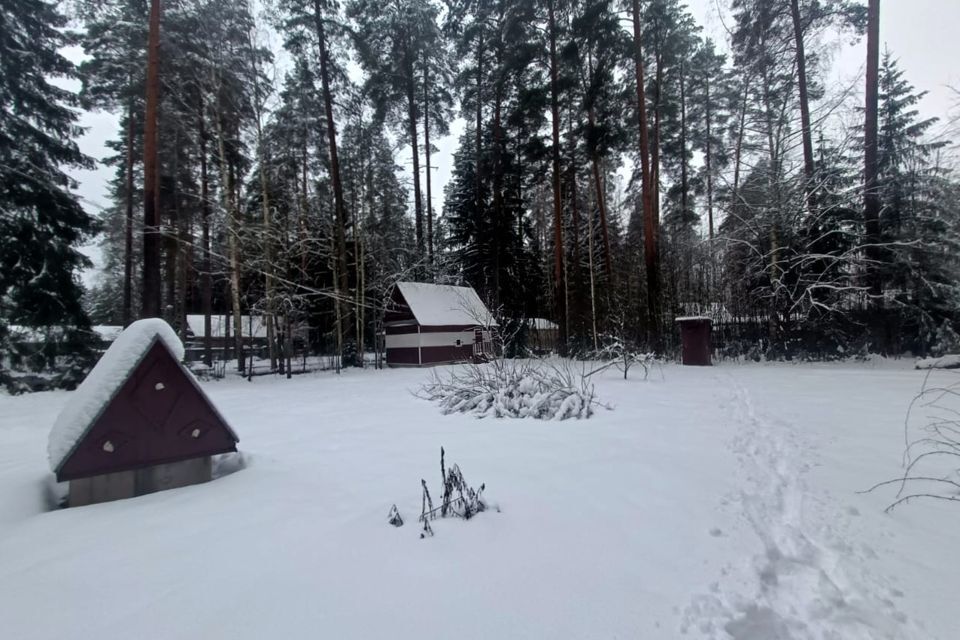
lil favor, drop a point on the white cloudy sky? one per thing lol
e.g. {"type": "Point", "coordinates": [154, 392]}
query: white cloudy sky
{"type": "Point", "coordinates": [920, 33]}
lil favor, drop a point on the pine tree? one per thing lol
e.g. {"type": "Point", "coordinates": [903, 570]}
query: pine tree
{"type": "Point", "coordinates": [396, 42]}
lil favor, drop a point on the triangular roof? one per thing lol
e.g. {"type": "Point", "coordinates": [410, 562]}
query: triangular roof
{"type": "Point", "coordinates": [445, 305]}
{"type": "Point", "coordinates": [151, 342]}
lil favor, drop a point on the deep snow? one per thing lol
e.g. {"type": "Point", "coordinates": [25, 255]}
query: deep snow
{"type": "Point", "coordinates": [710, 503]}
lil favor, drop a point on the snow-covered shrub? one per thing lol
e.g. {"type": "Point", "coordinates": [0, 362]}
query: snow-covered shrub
{"type": "Point", "coordinates": [547, 390]}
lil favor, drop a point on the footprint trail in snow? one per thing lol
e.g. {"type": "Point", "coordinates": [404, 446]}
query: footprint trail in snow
{"type": "Point", "coordinates": [808, 581]}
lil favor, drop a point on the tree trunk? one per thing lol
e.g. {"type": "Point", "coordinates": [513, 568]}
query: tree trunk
{"type": "Point", "coordinates": [708, 159]}
{"type": "Point", "coordinates": [150, 302]}
{"type": "Point", "coordinates": [808, 166]}
{"type": "Point", "coordinates": [649, 227]}
{"type": "Point", "coordinates": [268, 239]}
{"type": "Point", "coordinates": [478, 181]}
{"type": "Point", "coordinates": [341, 248]}
{"type": "Point", "coordinates": [426, 150]}
{"type": "Point", "coordinates": [593, 297]}
{"type": "Point", "coordinates": [233, 232]}
{"type": "Point", "coordinates": [871, 212]}
{"type": "Point", "coordinates": [602, 208]}
{"type": "Point", "coordinates": [601, 204]}
{"type": "Point", "coordinates": [233, 229]}
{"type": "Point", "coordinates": [738, 148]}
{"type": "Point", "coordinates": [684, 177]}
{"type": "Point", "coordinates": [655, 156]}
{"type": "Point", "coordinates": [498, 213]}
{"type": "Point", "coordinates": [184, 224]}
{"type": "Point", "coordinates": [415, 152]}
{"type": "Point", "coordinates": [558, 263]}
{"type": "Point", "coordinates": [206, 289]}
{"type": "Point", "coordinates": [577, 264]}
{"type": "Point", "coordinates": [128, 223]}
{"type": "Point", "coordinates": [171, 204]}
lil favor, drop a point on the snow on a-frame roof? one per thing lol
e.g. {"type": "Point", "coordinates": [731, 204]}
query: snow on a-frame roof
{"type": "Point", "coordinates": [442, 304]}
{"type": "Point", "coordinates": [103, 382]}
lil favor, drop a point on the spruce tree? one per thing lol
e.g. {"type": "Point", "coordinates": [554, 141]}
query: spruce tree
{"type": "Point", "coordinates": [918, 220]}
{"type": "Point", "coordinates": [42, 223]}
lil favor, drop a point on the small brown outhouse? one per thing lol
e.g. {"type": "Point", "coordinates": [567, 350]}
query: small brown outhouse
{"type": "Point", "coordinates": [695, 340]}
{"type": "Point", "coordinates": [138, 423]}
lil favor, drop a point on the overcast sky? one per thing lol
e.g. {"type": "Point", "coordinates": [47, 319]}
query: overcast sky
{"type": "Point", "coordinates": [922, 34]}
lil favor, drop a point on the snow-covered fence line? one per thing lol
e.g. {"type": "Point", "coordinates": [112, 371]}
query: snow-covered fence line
{"type": "Point", "coordinates": [542, 389]}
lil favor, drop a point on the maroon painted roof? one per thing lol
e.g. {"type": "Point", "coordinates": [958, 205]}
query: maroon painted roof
{"type": "Point", "coordinates": [159, 415]}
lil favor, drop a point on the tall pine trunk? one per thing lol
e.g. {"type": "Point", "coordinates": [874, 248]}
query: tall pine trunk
{"type": "Point", "coordinates": [339, 208]}
{"type": "Point", "coordinates": [206, 289]}
{"type": "Point", "coordinates": [128, 222]}
{"type": "Point", "coordinates": [171, 205]}
{"type": "Point", "coordinates": [478, 143]}
{"type": "Point", "coordinates": [684, 169]}
{"type": "Point", "coordinates": [268, 239]}
{"type": "Point", "coordinates": [498, 209]}
{"type": "Point", "coordinates": [233, 229]}
{"type": "Point", "coordinates": [415, 153]}
{"type": "Point", "coordinates": [871, 212]}
{"type": "Point", "coordinates": [649, 226]}
{"type": "Point", "coordinates": [598, 187]}
{"type": "Point", "coordinates": [558, 262]}
{"type": "Point", "coordinates": [708, 158]}
{"type": "Point", "coordinates": [233, 232]}
{"type": "Point", "coordinates": [738, 147]}
{"type": "Point", "coordinates": [577, 264]}
{"type": "Point", "coordinates": [150, 302]}
{"type": "Point", "coordinates": [426, 150]}
{"type": "Point", "coordinates": [808, 166]}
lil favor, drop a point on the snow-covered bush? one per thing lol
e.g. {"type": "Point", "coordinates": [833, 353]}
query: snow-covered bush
{"type": "Point", "coordinates": [547, 390]}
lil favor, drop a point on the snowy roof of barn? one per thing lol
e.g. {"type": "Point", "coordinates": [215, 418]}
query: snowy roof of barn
{"type": "Point", "coordinates": [445, 305]}
{"type": "Point", "coordinates": [102, 383]}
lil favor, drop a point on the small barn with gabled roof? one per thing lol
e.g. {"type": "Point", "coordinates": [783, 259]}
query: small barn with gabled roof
{"type": "Point", "coordinates": [431, 324]}
{"type": "Point", "coordinates": [138, 423]}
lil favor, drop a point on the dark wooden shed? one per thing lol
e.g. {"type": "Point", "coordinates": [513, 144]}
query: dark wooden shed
{"type": "Point", "coordinates": [139, 423]}
{"type": "Point", "coordinates": [695, 340]}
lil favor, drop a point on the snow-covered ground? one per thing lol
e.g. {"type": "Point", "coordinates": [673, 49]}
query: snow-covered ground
{"type": "Point", "coordinates": [710, 503]}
